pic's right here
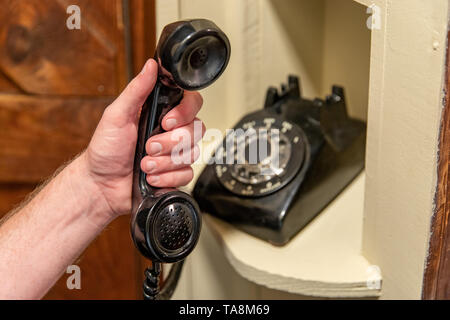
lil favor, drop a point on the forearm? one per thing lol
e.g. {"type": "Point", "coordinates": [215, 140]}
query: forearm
{"type": "Point", "coordinates": [40, 240]}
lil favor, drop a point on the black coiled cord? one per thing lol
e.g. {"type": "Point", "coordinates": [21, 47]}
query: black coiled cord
{"type": "Point", "coordinates": [151, 282]}
{"type": "Point", "coordinates": [151, 288]}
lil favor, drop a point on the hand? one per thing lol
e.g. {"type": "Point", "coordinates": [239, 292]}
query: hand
{"type": "Point", "coordinates": [110, 155]}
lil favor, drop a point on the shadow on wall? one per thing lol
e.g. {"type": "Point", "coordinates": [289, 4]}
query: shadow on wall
{"type": "Point", "coordinates": [327, 37]}
{"type": "Point", "coordinates": [300, 27]}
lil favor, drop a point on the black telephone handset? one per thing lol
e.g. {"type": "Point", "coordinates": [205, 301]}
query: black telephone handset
{"type": "Point", "coordinates": [166, 223]}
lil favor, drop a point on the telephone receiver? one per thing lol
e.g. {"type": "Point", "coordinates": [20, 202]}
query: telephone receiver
{"type": "Point", "coordinates": [166, 223]}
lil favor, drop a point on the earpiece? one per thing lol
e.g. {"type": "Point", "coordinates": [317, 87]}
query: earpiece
{"type": "Point", "coordinates": [166, 223]}
{"type": "Point", "coordinates": [192, 54]}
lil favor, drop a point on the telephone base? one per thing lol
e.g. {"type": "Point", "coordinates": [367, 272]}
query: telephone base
{"type": "Point", "coordinates": [332, 156]}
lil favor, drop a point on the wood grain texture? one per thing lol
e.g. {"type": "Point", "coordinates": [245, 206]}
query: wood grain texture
{"type": "Point", "coordinates": [143, 26]}
{"type": "Point", "coordinates": [7, 86]}
{"type": "Point", "coordinates": [54, 86]}
{"type": "Point", "coordinates": [12, 194]}
{"type": "Point", "coordinates": [437, 274]}
{"type": "Point", "coordinates": [42, 56]}
{"type": "Point", "coordinates": [37, 134]}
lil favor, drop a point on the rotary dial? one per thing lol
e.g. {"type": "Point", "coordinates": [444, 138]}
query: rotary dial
{"type": "Point", "coordinates": [260, 157]}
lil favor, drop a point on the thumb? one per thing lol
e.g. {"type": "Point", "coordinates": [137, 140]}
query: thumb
{"type": "Point", "coordinates": [126, 107]}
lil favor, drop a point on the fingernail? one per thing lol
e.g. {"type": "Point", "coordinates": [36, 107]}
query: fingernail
{"type": "Point", "coordinates": [171, 123]}
{"type": "Point", "coordinates": [144, 68]}
{"type": "Point", "coordinates": [151, 165]}
{"type": "Point", "coordinates": [153, 179]}
{"type": "Point", "coordinates": [155, 148]}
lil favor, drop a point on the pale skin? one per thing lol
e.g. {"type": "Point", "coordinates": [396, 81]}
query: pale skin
{"type": "Point", "coordinates": [40, 239]}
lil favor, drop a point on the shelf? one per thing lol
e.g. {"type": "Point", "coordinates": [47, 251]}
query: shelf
{"type": "Point", "coordinates": [323, 260]}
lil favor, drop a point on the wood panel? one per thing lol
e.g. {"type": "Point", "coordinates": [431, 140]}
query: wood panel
{"type": "Point", "coordinates": [7, 86]}
{"type": "Point", "coordinates": [39, 134]}
{"type": "Point", "coordinates": [143, 36]}
{"type": "Point", "coordinates": [437, 274]}
{"type": "Point", "coordinates": [54, 86]}
{"type": "Point", "coordinates": [12, 194]}
{"type": "Point", "coordinates": [42, 56]}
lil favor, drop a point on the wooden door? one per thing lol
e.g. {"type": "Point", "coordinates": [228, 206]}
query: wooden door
{"type": "Point", "coordinates": [54, 84]}
{"type": "Point", "coordinates": [436, 284]}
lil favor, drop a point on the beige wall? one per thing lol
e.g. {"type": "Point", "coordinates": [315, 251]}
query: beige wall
{"type": "Point", "coordinates": [346, 58]}
{"type": "Point", "coordinates": [326, 42]}
{"type": "Point", "coordinates": [406, 97]}
{"type": "Point", "coordinates": [273, 38]}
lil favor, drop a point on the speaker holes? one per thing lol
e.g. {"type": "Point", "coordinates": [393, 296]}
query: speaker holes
{"type": "Point", "coordinates": [174, 226]}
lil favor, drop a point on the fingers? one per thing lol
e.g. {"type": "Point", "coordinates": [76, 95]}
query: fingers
{"type": "Point", "coordinates": [174, 178]}
{"type": "Point", "coordinates": [185, 112]}
{"type": "Point", "coordinates": [170, 155]}
{"type": "Point", "coordinates": [176, 140]}
{"type": "Point", "coordinates": [126, 107]}
{"type": "Point", "coordinates": [170, 166]}
{"type": "Point", "coordinates": [156, 165]}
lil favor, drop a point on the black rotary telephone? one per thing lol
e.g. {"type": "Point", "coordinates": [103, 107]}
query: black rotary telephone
{"type": "Point", "coordinates": [166, 223]}
{"type": "Point", "coordinates": [319, 150]}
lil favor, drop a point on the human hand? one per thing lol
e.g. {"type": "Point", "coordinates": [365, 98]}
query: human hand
{"type": "Point", "coordinates": [109, 157]}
